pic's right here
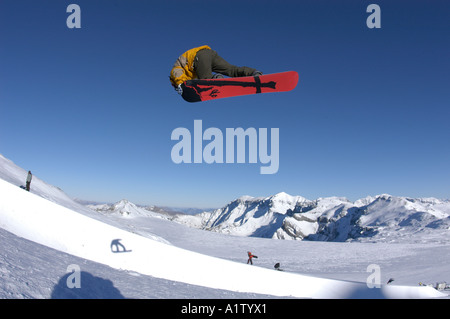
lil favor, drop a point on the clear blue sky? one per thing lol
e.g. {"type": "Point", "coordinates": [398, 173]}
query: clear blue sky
{"type": "Point", "coordinates": [91, 110]}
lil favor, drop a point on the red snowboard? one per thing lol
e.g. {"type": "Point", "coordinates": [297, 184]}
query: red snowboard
{"type": "Point", "coordinates": [211, 89]}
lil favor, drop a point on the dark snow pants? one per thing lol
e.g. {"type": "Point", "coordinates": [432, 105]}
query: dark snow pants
{"type": "Point", "coordinates": [208, 61]}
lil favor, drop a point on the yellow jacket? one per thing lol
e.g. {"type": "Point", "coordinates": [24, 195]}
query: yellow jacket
{"type": "Point", "coordinates": [183, 69]}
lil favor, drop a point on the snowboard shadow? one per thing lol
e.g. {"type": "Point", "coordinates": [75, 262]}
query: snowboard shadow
{"type": "Point", "coordinates": [118, 247]}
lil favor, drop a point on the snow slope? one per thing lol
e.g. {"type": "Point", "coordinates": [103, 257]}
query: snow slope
{"type": "Point", "coordinates": [76, 233]}
{"type": "Point", "coordinates": [47, 223]}
{"type": "Point", "coordinates": [30, 270]}
{"type": "Point", "coordinates": [16, 175]}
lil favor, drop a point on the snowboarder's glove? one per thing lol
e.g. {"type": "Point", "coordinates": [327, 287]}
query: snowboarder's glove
{"type": "Point", "coordinates": [179, 89]}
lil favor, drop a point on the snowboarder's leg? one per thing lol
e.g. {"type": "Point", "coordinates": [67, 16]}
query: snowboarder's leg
{"type": "Point", "coordinates": [203, 64]}
{"type": "Point", "coordinates": [219, 65]}
{"type": "Point", "coordinates": [208, 61]}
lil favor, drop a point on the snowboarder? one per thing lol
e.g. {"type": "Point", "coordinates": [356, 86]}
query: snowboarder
{"type": "Point", "coordinates": [250, 256]}
{"type": "Point", "coordinates": [29, 177]}
{"type": "Point", "coordinates": [200, 63]}
{"type": "Point", "coordinates": [277, 267]}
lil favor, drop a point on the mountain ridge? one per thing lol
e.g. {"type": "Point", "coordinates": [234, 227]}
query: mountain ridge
{"type": "Point", "coordinates": [282, 216]}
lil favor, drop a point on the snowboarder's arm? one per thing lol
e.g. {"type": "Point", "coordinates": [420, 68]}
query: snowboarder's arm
{"type": "Point", "coordinates": [183, 69]}
{"type": "Point", "coordinates": [178, 76]}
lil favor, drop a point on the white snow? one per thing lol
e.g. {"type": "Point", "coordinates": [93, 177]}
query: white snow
{"type": "Point", "coordinates": [44, 232]}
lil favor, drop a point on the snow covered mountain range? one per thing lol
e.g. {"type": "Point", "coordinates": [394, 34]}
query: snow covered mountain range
{"type": "Point", "coordinates": [126, 208]}
{"type": "Point", "coordinates": [282, 216]}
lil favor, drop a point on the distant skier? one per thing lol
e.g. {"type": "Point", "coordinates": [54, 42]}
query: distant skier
{"type": "Point", "coordinates": [250, 256]}
{"type": "Point", "coordinates": [200, 63]}
{"type": "Point", "coordinates": [29, 177]}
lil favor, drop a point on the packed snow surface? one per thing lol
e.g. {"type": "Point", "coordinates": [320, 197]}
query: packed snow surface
{"type": "Point", "coordinates": [135, 253]}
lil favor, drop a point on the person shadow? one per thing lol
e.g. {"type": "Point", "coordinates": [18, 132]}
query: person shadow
{"type": "Point", "coordinates": [118, 247]}
{"type": "Point", "coordinates": [90, 287]}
